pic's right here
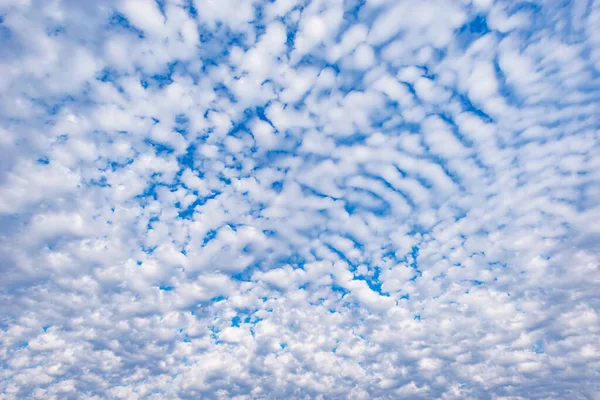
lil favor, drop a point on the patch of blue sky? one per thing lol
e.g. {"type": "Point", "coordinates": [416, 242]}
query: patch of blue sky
{"type": "Point", "coordinates": [471, 31]}
{"type": "Point", "coordinates": [119, 21]}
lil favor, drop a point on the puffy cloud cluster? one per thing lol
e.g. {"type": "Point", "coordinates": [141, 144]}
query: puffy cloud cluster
{"type": "Point", "coordinates": [299, 199]}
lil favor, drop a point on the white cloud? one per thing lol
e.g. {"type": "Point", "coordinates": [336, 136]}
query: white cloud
{"type": "Point", "coordinates": [299, 200]}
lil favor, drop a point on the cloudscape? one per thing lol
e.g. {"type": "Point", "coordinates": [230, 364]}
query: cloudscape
{"type": "Point", "coordinates": [299, 199]}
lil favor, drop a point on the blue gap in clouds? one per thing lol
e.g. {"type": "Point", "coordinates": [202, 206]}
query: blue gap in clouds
{"type": "Point", "coordinates": [224, 179]}
{"type": "Point", "coordinates": [465, 141]}
{"type": "Point", "coordinates": [290, 37]}
{"type": "Point", "coordinates": [246, 274]}
{"type": "Point", "coordinates": [159, 148]}
{"type": "Point", "coordinates": [161, 6]}
{"type": "Point", "coordinates": [342, 256]}
{"type": "Point", "coordinates": [388, 186]}
{"type": "Point", "coordinates": [443, 163]}
{"type": "Point", "coordinates": [206, 35]}
{"type": "Point", "coordinates": [150, 192]}
{"type": "Point", "coordinates": [55, 108]}
{"type": "Point", "coordinates": [468, 106]}
{"type": "Point", "coordinates": [310, 60]}
{"type": "Point", "coordinates": [339, 289]}
{"type": "Point", "coordinates": [108, 74]}
{"type": "Point", "coordinates": [471, 31]}
{"type": "Point", "coordinates": [270, 157]}
{"type": "Point", "coordinates": [150, 221]}
{"type": "Point", "coordinates": [259, 27]}
{"type": "Point", "coordinates": [536, 19]}
{"type": "Point", "coordinates": [351, 140]}
{"type": "Point", "coordinates": [388, 253]}
{"type": "Point", "coordinates": [182, 123]}
{"type": "Point", "coordinates": [373, 281]}
{"type": "Point", "coordinates": [216, 43]}
{"type": "Point", "coordinates": [113, 165]}
{"type": "Point", "coordinates": [149, 250]}
{"type": "Point", "coordinates": [411, 87]}
{"type": "Point", "coordinates": [295, 260]}
{"type": "Point", "coordinates": [503, 86]}
{"type": "Point", "coordinates": [253, 319]}
{"type": "Point", "coordinates": [349, 80]}
{"type": "Point", "coordinates": [378, 206]}
{"type": "Point", "coordinates": [474, 282]}
{"type": "Point", "coordinates": [351, 14]}
{"type": "Point", "coordinates": [57, 30]}
{"type": "Point", "coordinates": [189, 211]}
{"type": "Point", "coordinates": [180, 119]}
{"type": "Point", "coordinates": [5, 33]}
{"type": "Point", "coordinates": [165, 79]}
{"type": "Point", "coordinates": [118, 20]}
{"type": "Point", "coordinates": [234, 40]}
{"type": "Point", "coordinates": [210, 235]}
{"type": "Point", "coordinates": [189, 6]}
{"type": "Point", "coordinates": [390, 110]}
{"type": "Point", "coordinates": [223, 91]}
{"type": "Point", "coordinates": [217, 299]}
{"type": "Point", "coordinates": [260, 113]}
{"type": "Point", "coordinates": [414, 264]}
{"type": "Point", "coordinates": [162, 79]}
{"type": "Point", "coordinates": [394, 127]}
{"type": "Point", "coordinates": [102, 182]}
{"type": "Point", "coordinates": [187, 160]}
{"type": "Point", "coordinates": [214, 334]}
{"type": "Point", "coordinates": [277, 186]}
{"type": "Point", "coordinates": [442, 275]}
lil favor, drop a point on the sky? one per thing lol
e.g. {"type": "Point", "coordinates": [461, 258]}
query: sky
{"type": "Point", "coordinates": [327, 199]}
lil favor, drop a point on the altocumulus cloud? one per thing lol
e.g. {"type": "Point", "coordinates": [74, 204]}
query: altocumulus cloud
{"type": "Point", "coordinates": [299, 199]}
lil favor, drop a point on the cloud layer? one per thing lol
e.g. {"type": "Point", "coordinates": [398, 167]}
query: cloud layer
{"type": "Point", "coordinates": [299, 199]}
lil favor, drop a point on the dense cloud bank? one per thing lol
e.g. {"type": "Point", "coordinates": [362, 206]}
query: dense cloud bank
{"type": "Point", "coordinates": [299, 199]}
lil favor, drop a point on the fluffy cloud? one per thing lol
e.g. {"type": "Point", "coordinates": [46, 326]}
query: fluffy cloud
{"type": "Point", "coordinates": [306, 200]}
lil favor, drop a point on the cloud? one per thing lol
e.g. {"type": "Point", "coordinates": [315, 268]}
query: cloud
{"type": "Point", "coordinates": [302, 200]}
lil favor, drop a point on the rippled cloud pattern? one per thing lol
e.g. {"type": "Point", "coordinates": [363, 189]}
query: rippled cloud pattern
{"type": "Point", "coordinates": [327, 199]}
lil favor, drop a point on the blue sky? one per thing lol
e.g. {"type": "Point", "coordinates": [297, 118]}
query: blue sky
{"type": "Point", "coordinates": [331, 199]}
